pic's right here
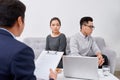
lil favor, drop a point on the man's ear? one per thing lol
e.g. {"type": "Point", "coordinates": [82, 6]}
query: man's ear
{"type": "Point", "coordinates": [19, 26]}
{"type": "Point", "coordinates": [20, 21]}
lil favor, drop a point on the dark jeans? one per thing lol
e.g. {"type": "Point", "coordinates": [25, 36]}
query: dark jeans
{"type": "Point", "coordinates": [60, 65]}
{"type": "Point", "coordinates": [105, 60]}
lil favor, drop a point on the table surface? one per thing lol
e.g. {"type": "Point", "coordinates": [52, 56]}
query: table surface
{"type": "Point", "coordinates": [100, 73]}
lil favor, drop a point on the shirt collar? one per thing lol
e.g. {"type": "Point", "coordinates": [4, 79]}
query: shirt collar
{"type": "Point", "coordinates": [82, 35]}
{"type": "Point", "coordinates": [85, 37]}
{"type": "Point", "coordinates": [8, 32]}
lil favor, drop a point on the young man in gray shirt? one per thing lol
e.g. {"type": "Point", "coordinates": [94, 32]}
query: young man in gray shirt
{"type": "Point", "coordinates": [83, 44]}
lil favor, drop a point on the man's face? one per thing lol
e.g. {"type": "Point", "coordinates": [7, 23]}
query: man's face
{"type": "Point", "coordinates": [87, 28]}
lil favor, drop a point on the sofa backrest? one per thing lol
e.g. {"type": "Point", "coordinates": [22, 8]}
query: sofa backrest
{"type": "Point", "coordinates": [100, 42]}
{"type": "Point", "coordinates": [38, 44]}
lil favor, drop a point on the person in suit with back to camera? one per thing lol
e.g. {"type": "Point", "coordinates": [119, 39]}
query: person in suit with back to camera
{"type": "Point", "coordinates": [83, 44]}
{"type": "Point", "coordinates": [16, 58]}
{"type": "Point", "coordinates": [56, 41]}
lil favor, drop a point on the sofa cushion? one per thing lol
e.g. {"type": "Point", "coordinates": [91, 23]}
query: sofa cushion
{"type": "Point", "coordinates": [100, 42]}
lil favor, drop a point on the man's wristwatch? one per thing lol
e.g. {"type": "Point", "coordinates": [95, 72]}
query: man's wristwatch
{"type": "Point", "coordinates": [51, 79]}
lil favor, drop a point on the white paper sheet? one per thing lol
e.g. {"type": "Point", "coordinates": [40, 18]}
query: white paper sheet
{"type": "Point", "coordinates": [47, 60]}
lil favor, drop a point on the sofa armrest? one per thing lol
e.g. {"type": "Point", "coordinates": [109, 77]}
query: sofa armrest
{"type": "Point", "coordinates": [111, 57]}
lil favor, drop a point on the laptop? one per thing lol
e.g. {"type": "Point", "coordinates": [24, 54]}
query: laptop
{"type": "Point", "coordinates": [80, 67]}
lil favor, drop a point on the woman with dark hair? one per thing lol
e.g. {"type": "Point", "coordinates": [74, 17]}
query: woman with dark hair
{"type": "Point", "coordinates": [56, 41]}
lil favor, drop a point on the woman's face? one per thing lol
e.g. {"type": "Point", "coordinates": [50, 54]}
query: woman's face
{"type": "Point", "coordinates": [55, 26]}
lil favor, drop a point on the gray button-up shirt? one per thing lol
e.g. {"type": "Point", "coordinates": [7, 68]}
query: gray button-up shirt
{"type": "Point", "coordinates": [84, 46]}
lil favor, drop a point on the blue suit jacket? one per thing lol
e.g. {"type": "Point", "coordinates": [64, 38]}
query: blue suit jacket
{"type": "Point", "coordinates": [16, 59]}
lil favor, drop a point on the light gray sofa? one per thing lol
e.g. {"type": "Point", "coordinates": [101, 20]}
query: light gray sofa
{"type": "Point", "coordinates": [38, 45]}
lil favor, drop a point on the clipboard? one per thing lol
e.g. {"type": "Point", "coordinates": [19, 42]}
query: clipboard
{"type": "Point", "coordinates": [47, 60]}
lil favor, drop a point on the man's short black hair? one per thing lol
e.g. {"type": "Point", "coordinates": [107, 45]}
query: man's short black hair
{"type": "Point", "coordinates": [10, 10]}
{"type": "Point", "coordinates": [85, 19]}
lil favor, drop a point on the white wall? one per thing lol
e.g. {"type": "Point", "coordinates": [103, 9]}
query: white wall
{"type": "Point", "coordinates": [106, 14]}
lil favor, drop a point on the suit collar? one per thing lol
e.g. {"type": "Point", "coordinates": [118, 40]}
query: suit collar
{"type": "Point", "coordinates": [6, 32]}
